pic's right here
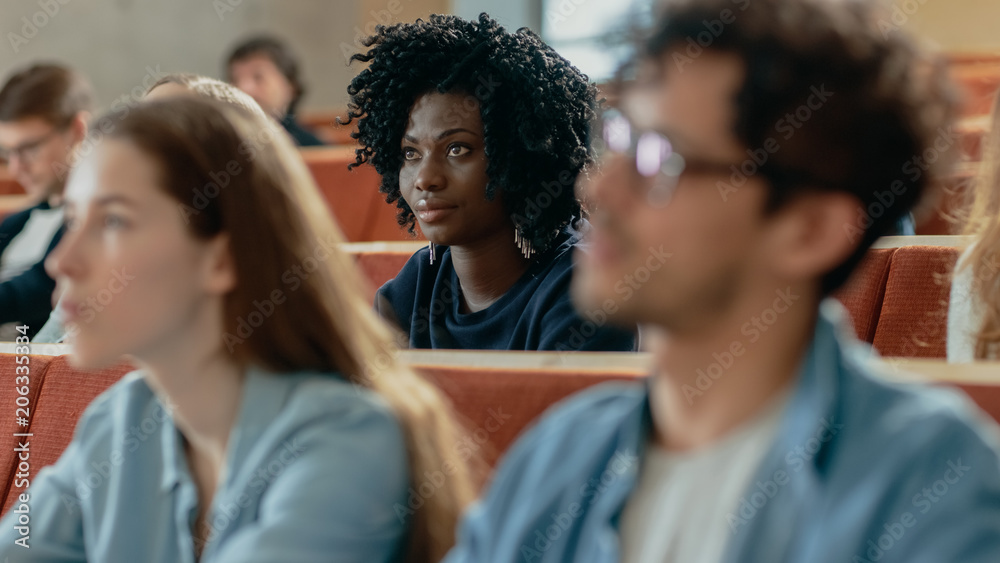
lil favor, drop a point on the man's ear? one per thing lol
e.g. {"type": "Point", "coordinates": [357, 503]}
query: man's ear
{"type": "Point", "coordinates": [78, 127]}
{"type": "Point", "coordinates": [812, 234]}
{"type": "Point", "coordinates": [218, 266]}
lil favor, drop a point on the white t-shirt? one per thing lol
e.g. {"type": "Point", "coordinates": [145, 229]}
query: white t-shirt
{"type": "Point", "coordinates": [678, 511]}
{"type": "Point", "coordinates": [27, 248]}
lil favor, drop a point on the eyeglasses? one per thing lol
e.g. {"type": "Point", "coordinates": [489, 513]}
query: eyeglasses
{"type": "Point", "coordinates": [659, 167]}
{"type": "Point", "coordinates": [27, 151]}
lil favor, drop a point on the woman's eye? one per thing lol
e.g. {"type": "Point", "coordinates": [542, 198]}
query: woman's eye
{"type": "Point", "coordinates": [114, 222]}
{"type": "Point", "coordinates": [458, 150]}
{"type": "Point", "coordinates": [409, 154]}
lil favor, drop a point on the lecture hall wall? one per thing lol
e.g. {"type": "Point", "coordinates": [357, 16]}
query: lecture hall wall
{"type": "Point", "coordinates": [114, 41]}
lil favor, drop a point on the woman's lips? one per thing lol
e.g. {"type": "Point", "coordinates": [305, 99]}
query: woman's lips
{"type": "Point", "coordinates": [433, 210]}
{"type": "Point", "coordinates": [434, 215]}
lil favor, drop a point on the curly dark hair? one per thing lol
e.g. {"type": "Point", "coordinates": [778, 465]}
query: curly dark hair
{"type": "Point", "coordinates": [883, 102]}
{"type": "Point", "coordinates": [535, 106]}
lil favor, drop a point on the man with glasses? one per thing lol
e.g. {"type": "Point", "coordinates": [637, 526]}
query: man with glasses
{"type": "Point", "coordinates": [43, 116]}
{"type": "Point", "coordinates": [752, 145]}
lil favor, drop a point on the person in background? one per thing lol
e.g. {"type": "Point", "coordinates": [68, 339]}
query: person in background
{"type": "Point", "coordinates": [181, 83]}
{"type": "Point", "coordinates": [765, 432]}
{"type": "Point", "coordinates": [479, 136]}
{"type": "Point", "coordinates": [44, 111]}
{"type": "Point", "coordinates": [298, 441]}
{"type": "Point", "coordinates": [54, 330]}
{"type": "Point", "coordinates": [974, 306]}
{"type": "Point", "coordinates": [266, 68]}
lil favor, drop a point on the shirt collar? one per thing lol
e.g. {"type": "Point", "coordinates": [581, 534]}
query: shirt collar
{"type": "Point", "coordinates": [812, 410]}
{"type": "Point", "coordinates": [174, 461]}
{"type": "Point", "coordinates": [812, 418]}
{"type": "Point", "coordinates": [263, 397]}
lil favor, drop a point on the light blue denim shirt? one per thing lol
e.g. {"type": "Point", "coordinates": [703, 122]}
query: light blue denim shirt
{"type": "Point", "coordinates": [861, 470]}
{"type": "Point", "coordinates": [314, 467]}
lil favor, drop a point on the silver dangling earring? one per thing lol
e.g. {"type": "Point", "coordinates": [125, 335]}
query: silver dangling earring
{"type": "Point", "coordinates": [433, 253]}
{"type": "Point", "coordinates": [527, 249]}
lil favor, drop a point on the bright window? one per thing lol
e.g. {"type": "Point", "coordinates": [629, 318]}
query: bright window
{"type": "Point", "coordinates": [589, 32]}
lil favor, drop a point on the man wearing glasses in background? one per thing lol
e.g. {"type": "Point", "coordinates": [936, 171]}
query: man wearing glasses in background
{"type": "Point", "coordinates": [752, 147]}
{"type": "Point", "coordinates": [43, 117]}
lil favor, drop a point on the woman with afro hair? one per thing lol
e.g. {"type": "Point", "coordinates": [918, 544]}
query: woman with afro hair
{"type": "Point", "coordinates": [479, 136]}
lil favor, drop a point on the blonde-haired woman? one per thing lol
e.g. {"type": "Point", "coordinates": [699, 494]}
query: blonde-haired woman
{"type": "Point", "coordinates": [974, 310]}
{"type": "Point", "coordinates": [286, 429]}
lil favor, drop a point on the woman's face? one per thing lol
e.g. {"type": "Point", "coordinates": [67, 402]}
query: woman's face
{"type": "Point", "coordinates": [134, 280]}
{"type": "Point", "coordinates": [443, 176]}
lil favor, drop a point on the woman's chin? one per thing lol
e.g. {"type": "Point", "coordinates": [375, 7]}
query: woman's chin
{"type": "Point", "coordinates": [89, 356]}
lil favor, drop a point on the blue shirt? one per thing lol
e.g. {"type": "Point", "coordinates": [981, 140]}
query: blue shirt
{"type": "Point", "coordinates": [536, 313]}
{"type": "Point", "coordinates": [861, 470]}
{"type": "Point", "coordinates": [314, 468]}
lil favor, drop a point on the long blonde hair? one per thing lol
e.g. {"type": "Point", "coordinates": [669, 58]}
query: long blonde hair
{"type": "Point", "coordinates": [982, 222]}
{"type": "Point", "coordinates": [234, 173]}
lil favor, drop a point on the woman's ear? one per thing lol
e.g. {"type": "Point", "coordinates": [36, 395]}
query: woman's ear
{"type": "Point", "coordinates": [218, 266]}
{"type": "Point", "coordinates": [812, 234]}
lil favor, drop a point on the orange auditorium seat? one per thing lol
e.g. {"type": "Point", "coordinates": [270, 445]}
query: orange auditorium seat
{"type": "Point", "coordinates": [940, 212]}
{"type": "Point", "coordinates": [496, 394]}
{"type": "Point", "coordinates": [352, 195]}
{"type": "Point", "coordinates": [10, 369]}
{"type": "Point", "coordinates": [978, 82]}
{"type": "Point", "coordinates": [863, 293]}
{"type": "Point", "coordinates": [62, 396]}
{"type": "Point", "coordinates": [497, 404]}
{"type": "Point", "coordinates": [379, 262]}
{"type": "Point", "coordinates": [914, 315]}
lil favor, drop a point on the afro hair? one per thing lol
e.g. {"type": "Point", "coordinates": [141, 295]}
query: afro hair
{"type": "Point", "coordinates": [535, 106]}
